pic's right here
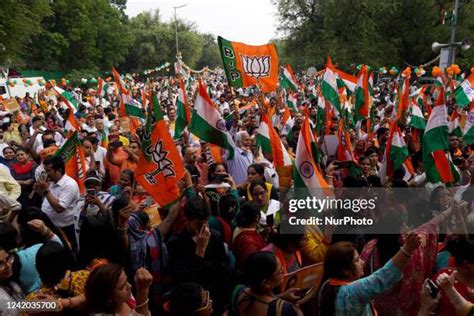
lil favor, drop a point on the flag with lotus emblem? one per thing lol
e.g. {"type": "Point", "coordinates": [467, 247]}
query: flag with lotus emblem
{"type": "Point", "coordinates": [247, 65]}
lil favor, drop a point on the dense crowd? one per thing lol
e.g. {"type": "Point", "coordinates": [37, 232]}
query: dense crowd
{"type": "Point", "coordinates": [219, 249]}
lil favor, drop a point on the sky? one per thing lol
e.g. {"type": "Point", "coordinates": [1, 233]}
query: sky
{"type": "Point", "coordinates": [250, 21]}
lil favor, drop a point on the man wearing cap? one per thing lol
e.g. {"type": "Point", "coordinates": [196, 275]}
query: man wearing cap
{"type": "Point", "coordinates": [94, 203]}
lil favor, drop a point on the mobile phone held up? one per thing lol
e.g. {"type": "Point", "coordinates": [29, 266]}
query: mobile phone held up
{"type": "Point", "coordinates": [432, 288]}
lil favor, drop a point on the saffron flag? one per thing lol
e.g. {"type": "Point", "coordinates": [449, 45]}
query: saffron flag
{"type": "Point", "coordinates": [119, 82]}
{"type": "Point", "coordinates": [159, 166]}
{"type": "Point", "coordinates": [247, 65]}
{"type": "Point", "coordinates": [362, 98]}
{"type": "Point", "coordinates": [72, 154]}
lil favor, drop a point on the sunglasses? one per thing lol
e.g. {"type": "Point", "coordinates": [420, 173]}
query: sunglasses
{"type": "Point", "coordinates": [207, 300]}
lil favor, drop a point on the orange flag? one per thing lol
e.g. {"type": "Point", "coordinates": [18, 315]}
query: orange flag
{"type": "Point", "coordinates": [72, 154]}
{"type": "Point", "coordinates": [247, 65]}
{"type": "Point", "coordinates": [160, 166]}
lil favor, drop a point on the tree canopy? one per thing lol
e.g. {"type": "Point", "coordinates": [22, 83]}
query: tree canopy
{"type": "Point", "coordinates": [373, 32]}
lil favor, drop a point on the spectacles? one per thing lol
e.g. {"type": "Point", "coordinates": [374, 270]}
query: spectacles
{"type": "Point", "coordinates": [9, 260]}
{"type": "Point", "coordinates": [207, 300]}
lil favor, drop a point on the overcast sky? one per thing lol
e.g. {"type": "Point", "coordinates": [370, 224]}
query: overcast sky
{"type": "Point", "coordinates": [249, 21]}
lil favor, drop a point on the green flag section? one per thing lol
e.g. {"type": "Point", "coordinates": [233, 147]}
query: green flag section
{"type": "Point", "coordinates": [270, 142]}
{"type": "Point", "coordinates": [468, 131]}
{"type": "Point", "coordinates": [208, 124]}
{"type": "Point", "coordinates": [453, 124]}
{"type": "Point", "coordinates": [436, 144]}
{"type": "Point", "coordinates": [329, 87]}
{"type": "Point", "coordinates": [182, 114]}
{"type": "Point", "coordinates": [288, 80]}
{"type": "Point", "coordinates": [349, 80]}
{"type": "Point", "coordinates": [417, 120]}
{"type": "Point", "coordinates": [68, 96]}
{"type": "Point", "coordinates": [247, 65]}
{"type": "Point", "coordinates": [307, 176]}
{"type": "Point", "coordinates": [395, 154]}
{"type": "Point", "coordinates": [159, 166]}
{"type": "Point", "coordinates": [131, 108]}
{"type": "Point", "coordinates": [362, 98]}
{"type": "Point", "coordinates": [464, 94]}
{"type": "Point", "coordinates": [292, 102]}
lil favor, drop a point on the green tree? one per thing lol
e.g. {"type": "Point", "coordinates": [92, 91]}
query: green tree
{"type": "Point", "coordinates": [20, 21]}
{"type": "Point", "coordinates": [81, 34]}
{"type": "Point", "coordinates": [210, 55]}
{"type": "Point", "coordinates": [378, 33]}
{"type": "Point", "coordinates": [155, 44]}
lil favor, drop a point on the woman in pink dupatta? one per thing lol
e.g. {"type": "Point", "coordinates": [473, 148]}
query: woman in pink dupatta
{"type": "Point", "coordinates": [404, 297]}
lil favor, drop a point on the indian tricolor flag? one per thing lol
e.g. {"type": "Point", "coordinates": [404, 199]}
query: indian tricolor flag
{"type": "Point", "coordinates": [395, 154]}
{"type": "Point", "coordinates": [72, 124]}
{"type": "Point", "coordinates": [102, 88]}
{"type": "Point", "coordinates": [72, 154]}
{"type": "Point", "coordinates": [349, 80]}
{"type": "Point", "coordinates": [119, 81]}
{"type": "Point", "coordinates": [329, 86]}
{"type": "Point", "coordinates": [130, 107]}
{"type": "Point", "coordinates": [289, 80]}
{"type": "Point", "coordinates": [468, 131]}
{"type": "Point", "coordinates": [404, 96]}
{"type": "Point", "coordinates": [464, 94]}
{"type": "Point", "coordinates": [453, 124]}
{"type": "Point", "coordinates": [306, 173]}
{"type": "Point", "coordinates": [436, 144]}
{"type": "Point", "coordinates": [67, 96]}
{"type": "Point", "coordinates": [208, 124]}
{"type": "Point", "coordinates": [287, 122]}
{"type": "Point", "coordinates": [417, 120]}
{"type": "Point", "coordinates": [292, 102]}
{"type": "Point", "coordinates": [270, 142]}
{"type": "Point", "coordinates": [362, 98]}
{"type": "Point", "coordinates": [183, 116]}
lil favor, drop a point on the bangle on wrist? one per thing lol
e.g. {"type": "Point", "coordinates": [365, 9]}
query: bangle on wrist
{"type": "Point", "coordinates": [406, 253]}
{"type": "Point", "coordinates": [122, 229]}
{"type": "Point", "coordinates": [142, 304]}
{"type": "Point", "coordinates": [45, 192]}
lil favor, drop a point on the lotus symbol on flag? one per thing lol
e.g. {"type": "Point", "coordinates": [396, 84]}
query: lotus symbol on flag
{"type": "Point", "coordinates": [256, 66]}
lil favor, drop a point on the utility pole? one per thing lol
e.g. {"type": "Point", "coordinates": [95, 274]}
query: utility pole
{"type": "Point", "coordinates": [176, 26]}
{"type": "Point", "coordinates": [452, 42]}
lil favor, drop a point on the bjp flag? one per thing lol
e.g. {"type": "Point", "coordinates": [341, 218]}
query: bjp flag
{"type": "Point", "coordinates": [247, 65]}
{"type": "Point", "coordinates": [73, 156]}
{"type": "Point", "coordinates": [159, 166]}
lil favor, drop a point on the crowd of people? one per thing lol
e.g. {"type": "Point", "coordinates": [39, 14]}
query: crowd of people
{"type": "Point", "coordinates": [219, 249]}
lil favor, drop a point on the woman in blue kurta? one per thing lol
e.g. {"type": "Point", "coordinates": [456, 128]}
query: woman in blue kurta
{"type": "Point", "coordinates": [345, 293]}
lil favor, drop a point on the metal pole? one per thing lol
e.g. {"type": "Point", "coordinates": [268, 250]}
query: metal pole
{"type": "Point", "coordinates": [453, 34]}
{"type": "Point", "coordinates": [176, 29]}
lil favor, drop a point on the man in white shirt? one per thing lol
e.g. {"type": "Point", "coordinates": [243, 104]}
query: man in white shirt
{"type": "Point", "coordinates": [242, 159]}
{"type": "Point", "coordinates": [222, 104]}
{"type": "Point", "coordinates": [60, 196]}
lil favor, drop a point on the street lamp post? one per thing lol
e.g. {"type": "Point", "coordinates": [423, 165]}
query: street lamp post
{"type": "Point", "coordinates": [176, 25]}
{"type": "Point", "coordinates": [453, 33]}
